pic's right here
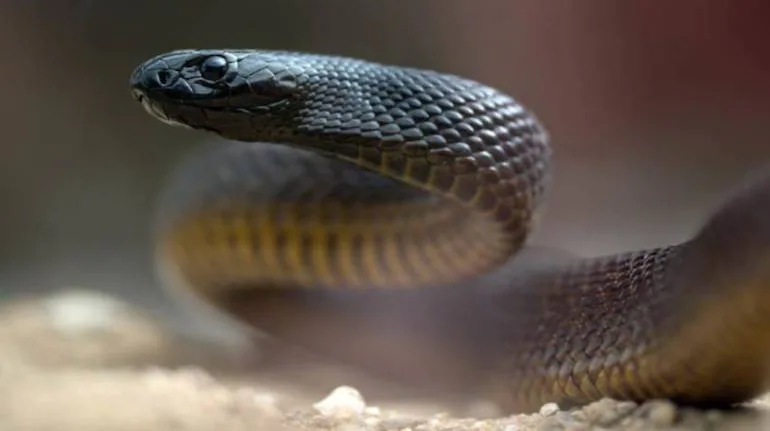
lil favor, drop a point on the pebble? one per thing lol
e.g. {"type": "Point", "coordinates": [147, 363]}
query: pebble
{"type": "Point", "coordinates": [661, 413]}
{"type": "Point", "coordinates": [549, 409]}
{"type": "Point", "coordinates": [75, 311]}
{"type": "Point", "coordinates": [342, 403]}
{"type": "Point", "coordinates": [603, 412]}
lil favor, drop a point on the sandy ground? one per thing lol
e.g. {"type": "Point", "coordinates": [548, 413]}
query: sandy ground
{"type": "Point", "coordinates": [79, 361]}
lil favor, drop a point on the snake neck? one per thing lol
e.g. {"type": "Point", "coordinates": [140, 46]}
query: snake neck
{"type": "Point", "coordinates": [454, 138]}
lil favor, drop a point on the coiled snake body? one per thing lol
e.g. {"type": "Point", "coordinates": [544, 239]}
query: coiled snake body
{"type": "Point", "coordinates": [377, 214]}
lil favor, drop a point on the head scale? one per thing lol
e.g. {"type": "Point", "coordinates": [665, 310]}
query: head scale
{"type": "Point", "coordinates": [233, 93]}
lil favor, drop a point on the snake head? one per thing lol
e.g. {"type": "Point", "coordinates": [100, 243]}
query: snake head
{"type": "Point", "coordinates": [240, 95]}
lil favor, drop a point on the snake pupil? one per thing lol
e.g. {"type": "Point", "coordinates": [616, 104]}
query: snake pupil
{"type": "Point", "coordinates": [214, 68]}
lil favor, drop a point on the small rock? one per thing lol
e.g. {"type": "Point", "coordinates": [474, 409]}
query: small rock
{"type": "Point", "coordinates": [661, 413]}
{"type": "Point", "coordinates": [76, 311]}
{"type": "Point", "coordinates": [606, 411]}
{"type": "Point", "coordinates": [625, 408]}
{"type": "Point", "coordinates": [549, 409]}
{"type": "Point", "coordinates": [342, 403]}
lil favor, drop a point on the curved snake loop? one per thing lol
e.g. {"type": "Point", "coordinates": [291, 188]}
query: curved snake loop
{"type": "Point", "coordinates": [377, 214]}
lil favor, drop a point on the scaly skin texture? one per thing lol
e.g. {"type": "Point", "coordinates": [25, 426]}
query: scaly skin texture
{"type": "Point", "coordinates": [375, 214]}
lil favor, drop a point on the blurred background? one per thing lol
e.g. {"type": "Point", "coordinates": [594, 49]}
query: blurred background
{"type": "Point", "coordinates": [655, 110]}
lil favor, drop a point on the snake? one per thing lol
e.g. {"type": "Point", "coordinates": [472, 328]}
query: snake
{"type": "Point", "coordinates": [379, 214]}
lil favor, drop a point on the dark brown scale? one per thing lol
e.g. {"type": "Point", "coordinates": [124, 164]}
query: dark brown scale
{"type": "Point", "coordinates": [395, 163]}
{"type": "Point", "coordinates": [420, 169]}
{"type": "Point", "coordinates": [435, 141]}
{"type": "Point", "coordinates": [441, 156]}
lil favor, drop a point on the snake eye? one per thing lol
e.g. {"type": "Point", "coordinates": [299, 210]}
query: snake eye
{"type": "Point", "coordinates": [214, 68]}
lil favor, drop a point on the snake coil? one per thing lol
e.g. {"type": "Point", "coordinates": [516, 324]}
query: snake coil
{"type": "Point", "coordinates": [378, 214]}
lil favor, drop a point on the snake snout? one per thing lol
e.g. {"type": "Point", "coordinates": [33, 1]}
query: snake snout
{"type": "Point", "coordinates": [153, 77]}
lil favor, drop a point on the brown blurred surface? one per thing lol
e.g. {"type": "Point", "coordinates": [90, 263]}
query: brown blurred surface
{"type": "Point", "coordinates": [655, 111]}
{"type": "Point", "coordinates": [98, 371]}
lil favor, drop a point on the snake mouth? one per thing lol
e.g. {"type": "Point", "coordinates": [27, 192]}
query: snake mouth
{"type": "Point", "coordinates": [155, 109]}
{"type": "Point", "coordinates": [232, 122]}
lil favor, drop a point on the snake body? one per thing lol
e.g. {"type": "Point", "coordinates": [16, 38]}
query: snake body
{"type": "Point", "coordinates": [378, 214]}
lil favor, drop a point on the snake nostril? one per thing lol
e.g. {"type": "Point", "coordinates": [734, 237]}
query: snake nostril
{"type": "Point", "coordinates": [164, 77]}
{"type": "Point", "coordinates": [138, 95]}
